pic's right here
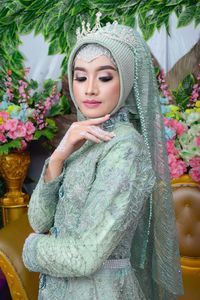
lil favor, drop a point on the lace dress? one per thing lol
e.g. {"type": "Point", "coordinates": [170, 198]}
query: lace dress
{"type": "Point", "coordinates": [90, 213]}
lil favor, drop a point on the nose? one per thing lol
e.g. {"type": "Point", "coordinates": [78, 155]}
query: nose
{"type": "Point", "coordinates": [91, 88]}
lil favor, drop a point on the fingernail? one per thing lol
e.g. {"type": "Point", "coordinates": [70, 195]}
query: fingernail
{"type": "Point", "coordinates": [112, 134]}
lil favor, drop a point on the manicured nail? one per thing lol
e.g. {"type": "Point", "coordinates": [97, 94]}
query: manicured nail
{"type": "Point", "coordinates": [112, 134]}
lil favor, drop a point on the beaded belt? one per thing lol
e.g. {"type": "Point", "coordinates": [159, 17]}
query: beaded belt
{"type": "Point", "coordinates": [116, 263]}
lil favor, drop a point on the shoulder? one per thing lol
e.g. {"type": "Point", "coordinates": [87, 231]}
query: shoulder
{"type": "Point", "coordinates": [127, 140]}
{"type": "Point", "coordinates": [128, 135]}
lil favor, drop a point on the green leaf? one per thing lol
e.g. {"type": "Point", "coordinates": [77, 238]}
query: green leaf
{"type": "Point", "coordinates": [9, 146]}
{"type": "Point", "coordinates": [186, 16]}
{"type": "Point", "coordinates": [174, 2]}
{"type": "Point", "coordinates": [197, 15]}
{"type": "Point", "coordinates": [54, 47]}
{"type": "Point", "coordinates": [65, 104]}
{"type": "Point", "coordinates": [187, 83]}
{"type": "Point", "coordinates": [44, 132]}
{"type": "Point", "coordinates": [36, 5]}
{"type": "Point", "coordinates": [33, 84]}
{"type": "Point", "coordinates": [55, 111]}
{"type": "Point", "coordinates": [25, 2]}
{"type": "Point", "coordinates": [48, 84]}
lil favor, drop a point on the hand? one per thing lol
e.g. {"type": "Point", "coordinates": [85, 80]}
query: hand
{"type": "Point", "coordinates": [78, 134]}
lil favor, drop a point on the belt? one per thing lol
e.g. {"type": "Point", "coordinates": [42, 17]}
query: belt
{"type": "Point", "coordinates": [116, 263]}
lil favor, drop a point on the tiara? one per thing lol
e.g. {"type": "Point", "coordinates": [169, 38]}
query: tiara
{"type": "Point", "coordinates": [85, 30]}
{"type": "Point", "coordinates": [110, 30]}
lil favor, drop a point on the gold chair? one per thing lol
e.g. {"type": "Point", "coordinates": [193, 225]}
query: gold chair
{"type": "Point", "coordinates": [186, 194]}
{"type": "Point", "coordinates": [23, 284]}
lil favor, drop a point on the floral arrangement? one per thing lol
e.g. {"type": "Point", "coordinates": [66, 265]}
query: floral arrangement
{"type": "Point", "coordinates": [26, 114]}
{"type": "Point", "coordinates": [181, 116]}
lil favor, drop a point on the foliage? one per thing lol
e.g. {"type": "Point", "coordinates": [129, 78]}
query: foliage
{"type": "Point", "coordinates": [182, 125]}
{"type": "Point", "coordinates": [57, 20]}
{"type": "Point", "coordinates": [26, 114]}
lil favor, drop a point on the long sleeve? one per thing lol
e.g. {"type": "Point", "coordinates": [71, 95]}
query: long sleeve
{"type": "Point", "coordinates": [123, 180]}
{"type": "Point", "coordinates": [43, 202]}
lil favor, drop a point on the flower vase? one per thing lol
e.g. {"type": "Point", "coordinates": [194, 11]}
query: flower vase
{"type": "Point", "coordinates": [13, 169]}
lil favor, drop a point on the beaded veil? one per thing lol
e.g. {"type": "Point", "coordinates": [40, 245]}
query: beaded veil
{"type": "Point", "coordinates": [155, 254]}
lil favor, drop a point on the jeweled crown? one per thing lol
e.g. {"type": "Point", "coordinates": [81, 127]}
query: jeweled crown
{"type": "Point", "coordinates": [112, 31]}
{"type": "Point", "coordinates": [86, 29]}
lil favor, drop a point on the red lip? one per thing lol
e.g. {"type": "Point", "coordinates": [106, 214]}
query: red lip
{"type": "Point", "coordinates": [91, 103]}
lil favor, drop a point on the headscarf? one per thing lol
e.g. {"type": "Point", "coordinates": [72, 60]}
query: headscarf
{"type": "Point", "coordinates": [155, 251]}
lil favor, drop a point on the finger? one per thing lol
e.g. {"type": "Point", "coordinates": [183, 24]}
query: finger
{"type": "Point", "coordinates": [96, 120]}
{"type": "Point", "coordinates": [86, 135]}
{"type": "Point", "coordinates": [99, 135]}
{"type": "Point", "coordinates": [97, 130]}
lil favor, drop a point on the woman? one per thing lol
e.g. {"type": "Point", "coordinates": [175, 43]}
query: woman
{"type": "Point", "coordinates": [94, 197]}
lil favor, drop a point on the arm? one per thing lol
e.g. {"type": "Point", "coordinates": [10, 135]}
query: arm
{"type": "Point", "coordinates": [124, 178]}
{"type": "Point", "coordinates": [45, 197]}
{"type": "Point", "coordinates": [43, 202]}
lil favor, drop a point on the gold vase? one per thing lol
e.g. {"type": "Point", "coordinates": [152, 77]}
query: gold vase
{"type": "Point", "coordinates": [13, 169]}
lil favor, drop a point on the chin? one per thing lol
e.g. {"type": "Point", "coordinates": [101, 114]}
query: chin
{"type": "Point", "coordinates": [91, 114]}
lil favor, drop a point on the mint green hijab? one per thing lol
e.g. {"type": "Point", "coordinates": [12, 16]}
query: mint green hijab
{"type": "Point", "coordinates": [155, 252]}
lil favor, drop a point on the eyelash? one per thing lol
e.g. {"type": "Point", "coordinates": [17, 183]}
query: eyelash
{"type": "Point", "coordinates": [103, 78]}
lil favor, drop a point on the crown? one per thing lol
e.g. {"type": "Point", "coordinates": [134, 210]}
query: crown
{"type": "Point", "coordinates": [86, 27]}
{"type": "Point", "coordinates": [112, 31]}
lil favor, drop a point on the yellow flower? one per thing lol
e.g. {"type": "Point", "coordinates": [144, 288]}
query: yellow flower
{"type": "Point", "coordinates": [10, 108]}
{"type": "Point", "coordinates": [1, 120]}
{"type": "Point", "coordinates": [174, 108]}
{"type": "Point", "coordinates": [197, 103]}
{"type": "Point", "coordinates": [188, 111]}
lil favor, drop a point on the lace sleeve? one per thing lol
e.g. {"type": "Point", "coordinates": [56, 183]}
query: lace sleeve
{"type": "Point", "coordinates": [124, 177]}
{"type": "Point", "coordinates": [43, 202]}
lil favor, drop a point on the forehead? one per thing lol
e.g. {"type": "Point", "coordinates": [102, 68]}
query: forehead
{"type": "Point", "coordinates": [95, 63]}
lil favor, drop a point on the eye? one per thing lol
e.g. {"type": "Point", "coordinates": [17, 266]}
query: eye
{"type": "Point", "coordinates": [80, 78]}
{"type": "Point", "coordinates": [105, 78]}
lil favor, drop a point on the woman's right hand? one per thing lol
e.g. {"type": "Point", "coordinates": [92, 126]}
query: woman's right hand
{"type": "Point", "coordinates": [75, 137]}
{"type": "Point", "coordinates": [78, 134]}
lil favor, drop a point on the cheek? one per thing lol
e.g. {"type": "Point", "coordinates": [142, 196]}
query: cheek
{"type": "Point", "coordinates": [76, 91]}
{"type": "Point", "coordinates": [115, 92]}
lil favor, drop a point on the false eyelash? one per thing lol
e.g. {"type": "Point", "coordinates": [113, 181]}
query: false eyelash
{"type": "Point", "coordinates": [80, 79]}
{"type": "Point", "coordinates": [106, 78]}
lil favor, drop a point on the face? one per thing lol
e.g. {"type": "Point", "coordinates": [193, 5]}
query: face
{"type": "Point", "coordinates": [96, 86]}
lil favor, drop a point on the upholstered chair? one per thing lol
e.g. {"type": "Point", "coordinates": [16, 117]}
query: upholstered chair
{"type": "Point", "coordinates": [186, 194]}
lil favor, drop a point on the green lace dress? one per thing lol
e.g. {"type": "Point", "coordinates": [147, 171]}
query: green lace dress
{"type": "Point", "coordinates": [90, 213]}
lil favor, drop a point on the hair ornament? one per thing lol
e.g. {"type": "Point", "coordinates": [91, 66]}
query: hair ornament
{"type": "Point", "coordinates": [86, 29]}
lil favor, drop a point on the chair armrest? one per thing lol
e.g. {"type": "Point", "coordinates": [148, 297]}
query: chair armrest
{"type": "Point", "coordinates": [21, 282]}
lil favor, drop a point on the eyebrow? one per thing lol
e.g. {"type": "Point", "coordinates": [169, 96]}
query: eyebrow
{"type": "Point", "coordinates": [106, 67]}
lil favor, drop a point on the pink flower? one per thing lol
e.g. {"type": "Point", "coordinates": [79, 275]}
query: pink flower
{"type": "Point", "coordinates": [20, 131]}
{"type": "Point", "coordinates": [195, 173]}
{"type": "Point", "coordinates": [2, 138]}
{"type": "Point", "coordinates": [195, 162]}
{"type": "Point", "coordinates": [30, 128]}
{"type": "Point", "coordinates": [177, 167]}
{"type": "Point", "coordinates": [171, 148]}
{"type": "Point", "coordinates": [198, 141]}
{"type": "Point", "coordinates": [180, 128]}
{"type": "Point", "coordinates": [48, 103]}
{"type": "Point", "coordinates": [4, 115]}
{"type": "Point", "coordinates": [28, 137]}
{"type": "Point", "coordinates": [11, 125]}
{"type": "Point", "coordinates": [23, 146]}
